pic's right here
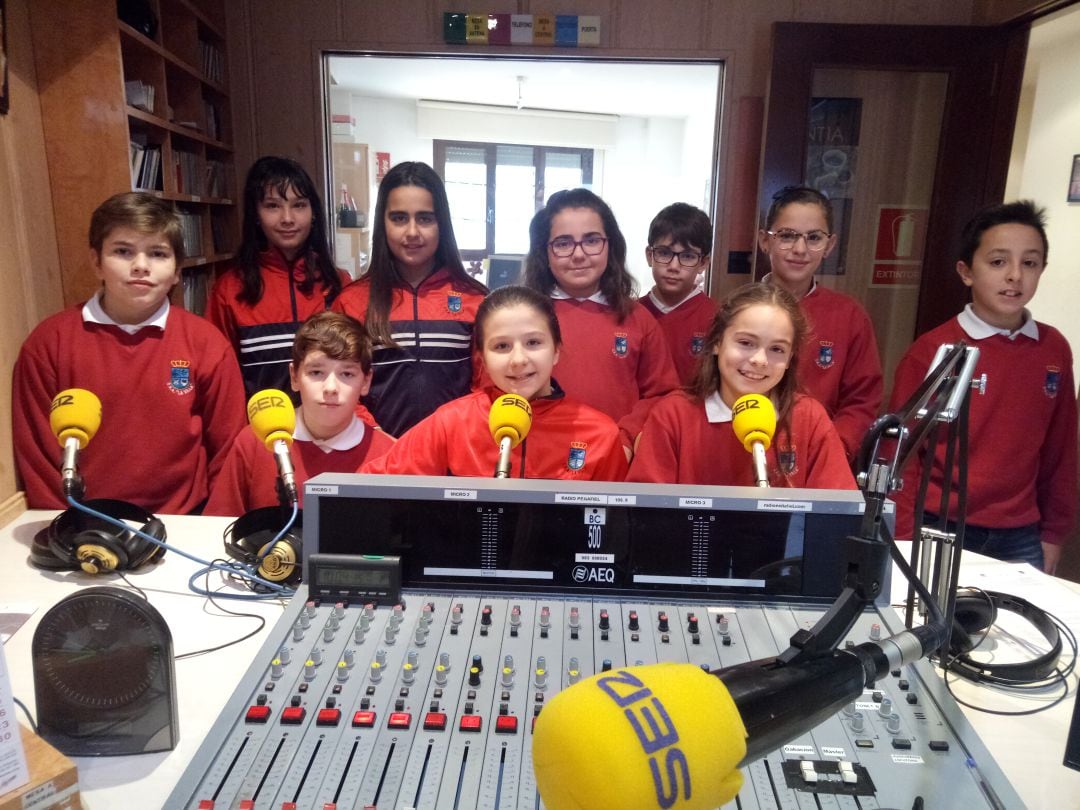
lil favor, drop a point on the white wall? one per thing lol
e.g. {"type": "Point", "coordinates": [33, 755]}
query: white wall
{"type": "Point", "coordinates": [1048, 142]}
{"type": "Point", "coordinates": [654, 162]}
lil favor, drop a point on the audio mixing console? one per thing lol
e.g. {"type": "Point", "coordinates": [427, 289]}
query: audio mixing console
{"type": "Point", "coordinates": [429, 702]}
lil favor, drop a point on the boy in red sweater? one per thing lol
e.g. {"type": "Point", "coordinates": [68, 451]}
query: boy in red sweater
{"type": "Point", "coordinates": [1021, 498]}
{"type": "Point", "coordinates": [680, 241]}
{"type": "Point", "coordinates": [170, 389]}
{"type": "Point", "coordinates": [331, 370]}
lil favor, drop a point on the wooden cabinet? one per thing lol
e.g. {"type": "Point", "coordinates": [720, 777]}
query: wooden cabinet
{"type": "Point", "coordinates": [353, 170]}
{"type": "Point", "coordinates": [142, 103]}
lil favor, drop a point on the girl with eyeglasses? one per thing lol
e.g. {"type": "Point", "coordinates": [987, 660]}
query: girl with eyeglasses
{"type": "Point", "coordinates": [752, 347]}
{"type": "Point", "coordinates": [839, 362]}
{"type": "Point", "coordinates": [614, 356]}
{"type": "Point", "coordinates": [416, 300]}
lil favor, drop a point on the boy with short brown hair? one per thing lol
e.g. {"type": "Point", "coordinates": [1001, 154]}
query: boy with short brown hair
{"type": "Point", "coordinates": [170, 388]}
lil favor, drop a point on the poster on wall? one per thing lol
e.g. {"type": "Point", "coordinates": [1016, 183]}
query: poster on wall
{"type": "Point", "coordinates": [3, 59]}
{"type": "Point", "coordinates": [832, 148]}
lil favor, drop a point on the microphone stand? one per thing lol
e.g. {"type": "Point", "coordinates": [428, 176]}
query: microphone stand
{"type": "Point", "coordinates": [942, 397]}
{"type": "Point", "coordinates": [502, 467]}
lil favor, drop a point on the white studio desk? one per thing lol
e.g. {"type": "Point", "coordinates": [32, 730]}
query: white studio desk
{"type": "Point", "coordinates": [203, 682]}
{"type": "Point", "coordinates": [1028, 749]}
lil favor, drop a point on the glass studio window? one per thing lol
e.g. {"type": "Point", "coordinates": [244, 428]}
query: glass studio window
{"type": "Point", "coordinates": [495, 188]}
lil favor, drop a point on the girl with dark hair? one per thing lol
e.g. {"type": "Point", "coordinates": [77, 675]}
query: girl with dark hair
{"type": "Point", "coordinates": [416, 300]}
{"type": "Point", "coordinates": [752, 347]}
{"type": "Point", "coordinates": [840, 364]}
{"type": "Point", "coordinates": [282, 274]}
{"type": "Point", "coordinates": [616, 357]}
{"type": "Point", "coordinates": [518, 337]}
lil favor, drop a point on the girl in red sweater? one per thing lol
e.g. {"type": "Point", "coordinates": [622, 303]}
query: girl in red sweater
{"type": "Point", "coordinates": [615, 357]}
{"type": "Point", "coordinates": [282, 275]}
{"type": "Point", "coordinates": [752, 348]}
{"type": "Point", "coordinates": [417, 301]}
{"type": "Point", "coordinates": [518, 336]}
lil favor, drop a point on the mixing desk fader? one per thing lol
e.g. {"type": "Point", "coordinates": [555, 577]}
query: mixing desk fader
{"type": "Point", "coordinates": [430, 702]}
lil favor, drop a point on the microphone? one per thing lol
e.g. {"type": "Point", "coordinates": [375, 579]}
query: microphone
{"type": "Point", "coordinates": [74, 417]}
{"type": "Point", "coordinates": [273, 419]}
{"type": "Point", "coordinates": [753, 418]}
{"type": "Point", "coordinates": [509, 421]}
{"type": "Point", "coordinates": [674, 736]}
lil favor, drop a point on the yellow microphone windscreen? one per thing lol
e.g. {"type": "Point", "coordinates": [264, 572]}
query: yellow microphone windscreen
{"type": "Point", "coordinates": [510, 415]}
{"type": "Point", "coordinates": [75, 413]}
{"type": "Point", "coordinates": [272, 416]}
{"type": "Point", "coordinates": [659, 735]}
{"type": "Point", "coordinates": [753, 418]}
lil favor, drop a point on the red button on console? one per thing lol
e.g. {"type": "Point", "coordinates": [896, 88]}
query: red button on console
{"type": "Point", "coordinates": [328, 717]}
{"type": "Point", "coordinates": [505, 724]}
{"type": "Point", "coordinates": [399, 720]}
{"type": "Point", "coordinates": [293, 715]}
{"type": "Point", "coordinates": [471, 722]}
{"type": "Point", "coordinates": [256, 714]}
{"type": "Point", "coordinates": [434, 721]}
{"type": "Point", "coordinates": [247, 804]}
{"type": "Point", "coordinates": [363, 719]}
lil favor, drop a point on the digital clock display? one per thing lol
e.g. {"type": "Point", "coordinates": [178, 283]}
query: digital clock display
{"type": "Point", "coordinates": [354, 577]}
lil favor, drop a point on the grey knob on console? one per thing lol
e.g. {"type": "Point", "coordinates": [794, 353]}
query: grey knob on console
{"type": "Point", "coordinates": [339, 610]}
{"type": "Point", "coordinates": [310, 670]}
{"type": "Point", "coordinates": [328, 633]}
{"type": "Point", "coordinates": [885, 707]}
{"type": "Point", "coordinates": [376, 671]}
{"type": "Point", "coordinates": [573, 671]}
{"type": "Point", "coordinates": [349, 657]}
{"type": "Point", "coordinates": [540, 674]}
{"type": "Point", "coordinates": [276, 669]}
{"type": "Point", "coordinates": [858, 722]}
{"type": "Point", "coordinates": [316, 655]}
{"type": "Point", "coordinates": [342, 671]}
{"type": "Point", "coordinates": [892, 724]}
{"type": "Point", "coordinates": [285, 654]}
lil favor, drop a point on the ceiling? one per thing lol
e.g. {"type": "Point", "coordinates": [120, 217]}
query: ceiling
{"type": "Point", "coordinates": [638, 87]}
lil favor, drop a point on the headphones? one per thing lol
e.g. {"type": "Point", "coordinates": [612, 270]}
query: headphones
{"type": "Point", "coordinates": [247, 538]}
{"type": "Point", "coordinates": [975, 612]}
{"type": "Point", "coordinates": [76, 539]}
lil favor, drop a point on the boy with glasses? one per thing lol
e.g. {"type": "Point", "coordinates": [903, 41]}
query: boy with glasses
{"type": "Point", "coordinates": [839, 362]}
{"type": "Point", "coordinates": [680, 243]}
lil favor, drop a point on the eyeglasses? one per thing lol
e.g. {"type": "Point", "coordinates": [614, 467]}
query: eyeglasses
{"type": "Point", "coordinates": [664, 254]}
{"type": "Point", "coordinates": [815, 240]}
{"type": "Point", "coordinates": [563, 246]}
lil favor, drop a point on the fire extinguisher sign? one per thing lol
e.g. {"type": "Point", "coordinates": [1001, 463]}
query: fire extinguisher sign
{"type": "Point", "coordinates": [899, 247]}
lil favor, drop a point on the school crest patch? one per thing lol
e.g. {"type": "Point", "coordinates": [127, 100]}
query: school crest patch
{"type": "Point", "coordinates": [622, 344]}
{"type": "Point", "coordinates": [453, 302]}
{"type": "Point", "coordinates": [576, 459]}
{"type": "Point", "coordinates": [825, 354]}
{"type": "Point", "coordinates": [180, 377]}
{"type": "Point", "coordinates": [788, 459]}
{"type": "Point", "coordinates": [1052, 381]}
{"type": "Point", "coordinates": [697, 343]}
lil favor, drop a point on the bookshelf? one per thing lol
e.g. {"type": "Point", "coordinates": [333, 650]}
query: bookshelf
{"type": "Point", "coordinates": [138, 101]}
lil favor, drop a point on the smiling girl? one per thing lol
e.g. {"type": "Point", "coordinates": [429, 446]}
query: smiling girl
{"type": "Point", "coordinates": [754, 342]}
{"type": "Point", "coordinates": [417, 301]}
{"type": "Point", "coordinates": [839, 364]}
{"type": "Point", "coordinates": [283, 272]}
{"type": "Point", "coordinates": [615, 357]}
{"type": "Point", "coordinates": [518, 336]}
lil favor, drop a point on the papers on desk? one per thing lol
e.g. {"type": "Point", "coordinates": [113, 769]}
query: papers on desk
{"type": "Point", "coordinates": [12, 617]}
{"type": "Point", "coordinates": [13, 771]}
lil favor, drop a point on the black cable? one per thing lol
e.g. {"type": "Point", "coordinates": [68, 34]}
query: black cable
{"type": "Point", "coordinates": [132, 585]}
{"type": "Point", "coordinates": [26, 711]}
{"type": "Point", "coordinates": [223, 609]}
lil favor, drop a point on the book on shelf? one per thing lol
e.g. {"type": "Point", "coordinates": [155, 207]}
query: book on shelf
{"type": "Point", "coordinates": [191, 230]}
{"type": "Point", "coordinates": [186, 167]}
{"type": "Point", "coordinates": [145, 164]}
{"type": "Point", "coordinates": [196, 283]}
{"type": "Point", "coordinates": [211, 61]}
{"type": "Point", "coordinates": [139, 94]}
{"type": "Point", "coordinates": [213, 128]}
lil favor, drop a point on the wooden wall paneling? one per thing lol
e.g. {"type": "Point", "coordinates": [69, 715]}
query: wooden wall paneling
{"type": "Point", "coordinates": [80, 62]}
{"type": "Point", "coordinates": [29, 264]}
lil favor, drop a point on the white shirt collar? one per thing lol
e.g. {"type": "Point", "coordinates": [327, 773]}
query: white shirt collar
{"type": "Point", "coordinates": [559, 293]}
{"type": "Point", "coordinates": [977, 329]}
{"type": "Point", "coordinates": [767, 278]}
{"type": "Point", "coordinates": [94, 312]}
{"type": "Point", "coordinates": [715, 409]}
{"type": "Point", "coordinates": [347, 439]}
{"type": "Point", "coordinates": [665, 308]}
